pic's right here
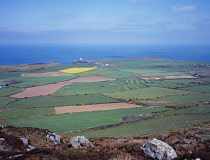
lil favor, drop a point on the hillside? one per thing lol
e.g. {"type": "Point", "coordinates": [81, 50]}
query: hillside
{"type": "Point", "coordinates": [188, 144]}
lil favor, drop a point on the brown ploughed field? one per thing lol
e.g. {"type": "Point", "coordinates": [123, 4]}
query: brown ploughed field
{"type": "Point", "coordinates": [51, 88]}
{"type": "Point", "coordinates": [92, 79]}
{"type": "Point", "coordinates": [95, 107]}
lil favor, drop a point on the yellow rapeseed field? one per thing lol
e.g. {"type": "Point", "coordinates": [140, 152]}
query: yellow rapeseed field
{"type": "Point", "coordinates": [77, 70]}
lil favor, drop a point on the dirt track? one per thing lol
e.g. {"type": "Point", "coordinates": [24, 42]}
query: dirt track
{"type": "Point", "coordinates": [51, 88]}
{"type": "Point", "coordinates": [95, 107]}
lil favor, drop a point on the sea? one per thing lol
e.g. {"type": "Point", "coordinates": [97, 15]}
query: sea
{"type": "Point", "coordinates": [15, 54]}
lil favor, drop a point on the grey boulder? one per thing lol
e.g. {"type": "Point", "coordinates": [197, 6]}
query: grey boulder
{"type": "Point", "coordinates": [53, 137]}
{"type": "Point", "coordinates": [158, 150]}
{"type": "Point", "coordinates": [26, 143]}
{"type": "Point", "coordinates": [80, 141]}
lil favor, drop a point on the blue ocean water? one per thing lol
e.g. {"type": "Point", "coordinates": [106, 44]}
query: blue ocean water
{"type": "Point", "coordinates": [36, 53]}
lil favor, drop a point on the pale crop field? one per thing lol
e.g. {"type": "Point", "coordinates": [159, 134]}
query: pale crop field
{"type": "Point", "coordinates": [77, 70]}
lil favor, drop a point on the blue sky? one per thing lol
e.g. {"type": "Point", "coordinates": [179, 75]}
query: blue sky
{"type": "Point", "coordinates": [105, 21]}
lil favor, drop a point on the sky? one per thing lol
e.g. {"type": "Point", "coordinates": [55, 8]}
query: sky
{"type": "Point", "coordinates": [105, 21]}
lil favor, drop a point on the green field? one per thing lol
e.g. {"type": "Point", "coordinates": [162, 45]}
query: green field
{"type": "Point", "coordinates": [5, 100]}
{"type": "Point", "coordinates": [183, 100]}
{"type": "Point", "coordinates": [122, 75]}
{"type": "Point", "coordinates": [165, 84]}
{"type": "Point", "coordinates": [150, 126]}
{"type": "Point", "coordinates": [28, 84]}
{"type": "Point", "coordinates": [152, 72]}
{"type": "Point", "coordinates": [145, 93]}
{"type": "Point", "coordinates": [27, 112]}
{"type": "Point", "coordinates": [91, 88]}
{"type": "Point", "coordinates": [205, 88]}
{"type": "Point", "coordinates": [59, 101]}
{"type": "Point", "coordinates": [76, 121]}
{"type": "Point", "coordinates": [9, 91]}
{"type": "Point", "coordinates": [4, 75]}
{"type": "Point", "coordinates": [151, 62]}
{"type": "Point", "coordinates": [190, 110]}
{"type": "Point", "coordinates": [2, 83]}
{"type": "Point", "coordinates": [134, 84]}
{"type": "Point", "coordinates": [50, 79]}
{"type": "Point", "coordinates": [98, 71]}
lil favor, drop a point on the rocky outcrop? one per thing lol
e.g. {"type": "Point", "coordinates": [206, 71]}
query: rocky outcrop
{"type": "Point", "coordinates": [187, 143]}
{"type": "Point", "coordinates": [159, 150]}
{"type": "Point", "coordinates": [9, 143]}
{"type": "Point", "coordinates": [26, 143]}
{"type": "Point", "coordinates": [53, 137]}
{"type": "Point", "coordinates": [80, 141]}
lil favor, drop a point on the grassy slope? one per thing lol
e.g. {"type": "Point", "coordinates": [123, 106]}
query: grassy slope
{"type": "Point", "coordinates": [27, 112]}
{"type": "Point", "coordinates": [150, 126]}
{"type": "Point", "coordinates": [186, 118]}
{"type": "Point", "coordinates": [75, 121]}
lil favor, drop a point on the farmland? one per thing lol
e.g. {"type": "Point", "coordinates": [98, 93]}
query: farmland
{"type": "Point", "coordinates": [97, 71]}
{"type": "Point", "coordinates": [183, 100]}
{"type": "Point", "coordinates": [51, 88]}
{"type": "Point", "coordinates": [43, 101]}
{"type": "Point", "coordinates": [76, 121]}
{"type": "Point", "coordinates": [152, 72]}
{"type": "Point", "coordinates": [141, 128]}
{"type": "Point", "coordinates": [76, 70]}
{"type": "Point", "coordinates": [122, 75]}
{"type": "Point", "coordinates": [145, 93]}
{"type": "Point", "coordinates": [76, 97]}
{"type": "Point", "coordinates": [5, 100]}
{"type": "Point", "coordinates": [96, 107]}
{"type": "Point", "coordinates": [20, 113]}
{"type": "Point", "coordinates": [90, 88]}
{"type": "Point", "coordinates": [199, 88]}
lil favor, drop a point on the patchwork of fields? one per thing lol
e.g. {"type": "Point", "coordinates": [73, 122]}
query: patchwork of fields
{"type": "Point", "coordinates": [84, 96]}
